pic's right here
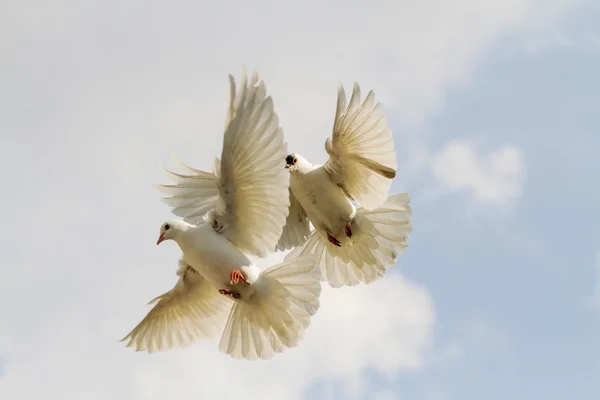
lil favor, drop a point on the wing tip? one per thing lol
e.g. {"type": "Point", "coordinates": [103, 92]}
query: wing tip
{"type": "Point", "coordinates": [127, 337]}
{"type": "Point", "coordinates": [174, 158]}
{"type": "Point", "coordinates": [389, 173]}
{"type": "Point", "coordinates": [158, 187]}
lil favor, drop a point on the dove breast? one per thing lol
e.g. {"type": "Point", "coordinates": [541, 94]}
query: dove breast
{"type": "Point", "coordinates": [215, 257]}
{"type": "Point", "coordinates": [325, 204]}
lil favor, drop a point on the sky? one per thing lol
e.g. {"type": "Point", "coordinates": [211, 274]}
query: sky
{"type": "Point", "coordinates": [494, 109]}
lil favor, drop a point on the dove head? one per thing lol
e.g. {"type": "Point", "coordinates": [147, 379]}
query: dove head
{"type": "Point", "coordinates": [295, 162]}
{"type": "Point", "coordinates": [170, 229]}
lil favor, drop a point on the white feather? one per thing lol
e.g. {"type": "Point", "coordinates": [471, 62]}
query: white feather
{"type": "Point", "coordinates": [192, 310]}
{"type": "Point", "coordinates": [362, 159]}
{"type": "Point", "coordinates": [276, 317]}
{"type": "Point", "coordinates": [297, 226]}
{"type": "Point", "coordinates": [379, 237]}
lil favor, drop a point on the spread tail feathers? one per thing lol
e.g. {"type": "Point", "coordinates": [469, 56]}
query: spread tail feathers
{"type": "Point", "coordinates": [286, 297]}
{"type": "Point", "coordinates": [379, 237]}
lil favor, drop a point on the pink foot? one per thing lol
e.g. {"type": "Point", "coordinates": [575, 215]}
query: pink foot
{"type": "Point", "coordinates": [348, 230]}
{"type": "Point", "coordinates": [333, 240]}
{"type": "Point", "coordinates": [229, 293]}
{"type": "Point", "coordinates": [236, 276]}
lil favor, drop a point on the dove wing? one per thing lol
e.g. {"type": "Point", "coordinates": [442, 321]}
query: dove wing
{"type": "Point", "coordinates": [192, 310]}
{"type": "Point", "coordinates": [362, 159]}
{"type": "Point", "coordinates": [297, 226]}
{"type": "Point", "coordinates": [192, 196]}
{"type": "Point", "coordinates": [248, 188]}
{"type": "Point", "coordinates": [252, 180]}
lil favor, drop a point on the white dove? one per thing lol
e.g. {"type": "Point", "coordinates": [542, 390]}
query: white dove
{"type": "Point", "coordinates": [271, 309]}
{"type": "Point", "coordinates": [352, 245]}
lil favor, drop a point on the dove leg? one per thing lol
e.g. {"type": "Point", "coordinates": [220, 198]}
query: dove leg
{"type": "Point", "coordinates": [236, 276]}
{"type": "Point", "coordinates": [333, 240]}
{"type": "Point", "coordinates": [217, 226]}
{"type": "Point", "coordinates": [229, 293]}
{"type": "Point", "coordinates": [348, 229]}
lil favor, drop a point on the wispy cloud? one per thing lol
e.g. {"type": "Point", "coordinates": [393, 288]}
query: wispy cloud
{"type": "Point", "coordinates": [495, 178]}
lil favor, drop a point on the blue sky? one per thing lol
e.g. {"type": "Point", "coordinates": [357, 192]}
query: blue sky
{"type": "Point", "coordinates": [492, 299]}
{"type": "Point", "coordinates": [527, 274]}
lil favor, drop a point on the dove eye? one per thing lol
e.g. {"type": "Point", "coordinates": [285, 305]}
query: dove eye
{"type": "Point", "coordinates": [295, 160]}
{"type": "Point", "coordinates": [167, 226]}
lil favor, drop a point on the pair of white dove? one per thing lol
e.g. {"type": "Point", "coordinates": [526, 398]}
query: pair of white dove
{"type": "Point", "coordinates": [260, 199]}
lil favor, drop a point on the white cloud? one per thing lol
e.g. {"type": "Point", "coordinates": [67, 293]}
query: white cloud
{"type": "Point", "coordinates": [494, 178]}
{"type": "Point", "coordinates": [385, 326]}
{"type": "Point", "coordinates": [95, 95]}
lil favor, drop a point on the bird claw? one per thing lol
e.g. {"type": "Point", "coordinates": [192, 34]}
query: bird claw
{"type": "Point", "coordinates": [217, 226]}
{"type": "Point", "coordinates": [348, 230]}
{"type": "Point", "coordinates": [333, 240]}
{"type": "Point", "coordinates": [229, 293]}
{"type": "Point", "coordinates": [236, 276]}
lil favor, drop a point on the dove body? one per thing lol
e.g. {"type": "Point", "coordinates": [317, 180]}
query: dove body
{"type": "Point", "coordinates": [325, 204]}
{"type": "Point", "coordinates": [352, 244]}
{"type": "Point", "coordinates": [270, 309]}
{"type": "Point", "coordinates": [214, 257]}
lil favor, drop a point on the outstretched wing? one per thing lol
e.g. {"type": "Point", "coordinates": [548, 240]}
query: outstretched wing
{"type": "Point", "coordinates": [192, 310]}
{"type": "Point", "coordinates": [193, 195]}
{"type": "Point", "coordinates": [248, 189]}
{"type": "Point", "coordinates": [362, 159]}
{"type": "Point", "coordinates": [253, 182]}
{"type": "Point", "coordinates": [297, 226]}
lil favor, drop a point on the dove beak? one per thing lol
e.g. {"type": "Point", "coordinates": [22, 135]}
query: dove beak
{"type": "Point", "coordinates": [287, 166]}
{"type": "Point", "coordinates": [160, 238]}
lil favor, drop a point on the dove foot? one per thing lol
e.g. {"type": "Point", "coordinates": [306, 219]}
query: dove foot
{"type": "Point", "coordinates": [217, 226]}
{"type": "Point", "coordinates": [236, 276]}
{"type": "Point", "coordinates": [229, 293]}
{"type": "Point", "coordinates": [333, 240]}
{"type": "Point", "coordinates": [348, 230]}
